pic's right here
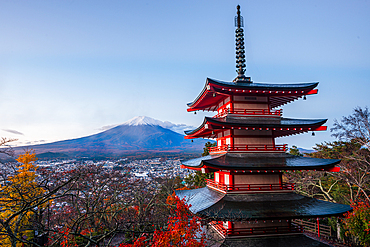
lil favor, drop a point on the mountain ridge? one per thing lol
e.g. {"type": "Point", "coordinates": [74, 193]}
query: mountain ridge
{"type": "Point", "coordinates": [140, 134]}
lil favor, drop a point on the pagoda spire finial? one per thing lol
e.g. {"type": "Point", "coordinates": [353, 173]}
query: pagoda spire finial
{"type": "Point", "coordinates": [240, 52]}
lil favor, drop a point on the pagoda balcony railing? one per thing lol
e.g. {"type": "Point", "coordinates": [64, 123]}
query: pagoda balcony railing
{"type": "Point", "coordinates": [255, 230]}
{"type": "Point", "coordinates": [249, 148]}
{"type": "Point", "coordinates": [250, 112]}
{"type": "Point", "coordinates": [249, 187]}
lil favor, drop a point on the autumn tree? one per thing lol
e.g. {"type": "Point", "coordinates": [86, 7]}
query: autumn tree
{"type": "Point", "coordinates": [311, 183]}
{"type": "Point", "coordinates": [353, 180]}
{"type": "Point", "coordinates": [24, 197]}
{"type": "Point", "coordinates": [182, 228]}
{"type": "Point", "coordinates": [354, 132]}
{"type": "Point", "coordinates": [88, 205]}
{"type": "Point", "coordinates": [104, 206]}
{"type": "Point", "coordinates": [17, 196]}
{"type": "Point", "coordinates": [352, 183]}
{"type": "Point", "coordinates": [357, 224]}
{"type": "Point", "coordinates": [355, 127]}
{"type": "Point", "coordinates": [92, 211]}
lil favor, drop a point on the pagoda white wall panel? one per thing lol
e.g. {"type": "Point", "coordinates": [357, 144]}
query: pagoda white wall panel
{"type": "Point", "coordinates": [228, 141]}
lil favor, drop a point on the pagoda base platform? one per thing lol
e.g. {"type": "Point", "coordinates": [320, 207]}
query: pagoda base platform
{"type": "Point", "coordinates": [279, 240]}
{"type": "Point", "coordinates": [300, 240]}
{"type": "Point", "coordinates": [254, 229]}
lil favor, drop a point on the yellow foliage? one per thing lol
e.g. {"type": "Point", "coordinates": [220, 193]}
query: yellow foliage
{"type": "Point", "coordinates": [20, 191]}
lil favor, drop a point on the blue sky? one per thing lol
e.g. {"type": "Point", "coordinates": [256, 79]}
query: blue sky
{"type": "Point", "coordinates": [68, 68]}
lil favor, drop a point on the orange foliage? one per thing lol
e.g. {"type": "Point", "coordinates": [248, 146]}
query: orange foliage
{"type": "Point", "coordinates": [16, 196]}
{"type": "Point", "coordinates": [67, 241]}
{"type": "Point", "coordinates": [183, 229]}
{"type": "Point", "coordinates": [357, 222]}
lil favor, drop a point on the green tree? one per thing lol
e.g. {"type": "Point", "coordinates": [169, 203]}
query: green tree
{"type": "Point", "coordinates": [295, 151]}
{"type": "Point", "coordinates": [207, 146]}
{"type": "Point", "coordinates": [197, 179]}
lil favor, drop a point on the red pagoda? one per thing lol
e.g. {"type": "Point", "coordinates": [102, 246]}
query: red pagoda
{"type": "Point", "coordinates": [247, 203]}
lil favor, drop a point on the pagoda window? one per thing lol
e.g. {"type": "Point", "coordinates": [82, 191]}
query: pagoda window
{"type": "Point", "coordinates": [227, 224]}
{"type": "Point", "coordinates": [217, 177]}
{"type": "Point", "coordinates": [221, 141]}
{"type": "Point", "coordinates": [224, 133]}
{"type": "Point", "coordinates": [228, 141]}
{"type": "Point", "coordinates": [227, 179]}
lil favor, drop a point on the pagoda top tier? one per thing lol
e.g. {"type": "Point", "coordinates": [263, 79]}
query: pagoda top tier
{"type": "Point", "coordinates": [216, 91]}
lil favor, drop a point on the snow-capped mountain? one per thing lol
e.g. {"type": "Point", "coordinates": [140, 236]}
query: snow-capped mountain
{"type": "Point", "coordinates": [143, 120]}
{"type": "Point", "coordinates": [140, 134]}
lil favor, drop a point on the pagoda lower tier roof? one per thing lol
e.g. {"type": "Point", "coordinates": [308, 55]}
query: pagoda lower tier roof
{"type": "Point", "coordinates": [258, 162]}
{"type": "Point", "coordinates": [215, 91]}
{"type": "Point", "coordinates": [300, 240]}
{"type": "Point", "coordinates": [213, 205]}
{"type": "Point", "coordinates": [280, 127]}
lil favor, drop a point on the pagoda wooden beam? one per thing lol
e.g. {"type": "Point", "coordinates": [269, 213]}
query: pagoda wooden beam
{"type": "Point", "coordinates": [313, 91]}
{"type": "Point", "coordinates": [321, 128]}
{"type": "Point", "coordinates": [333, 169]}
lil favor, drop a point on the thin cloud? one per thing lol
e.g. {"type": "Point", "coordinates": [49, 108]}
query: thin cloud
{"type": "Point", "coordinates": [14, 132]}
{"type": "Point", "coordinates": [107, 127]}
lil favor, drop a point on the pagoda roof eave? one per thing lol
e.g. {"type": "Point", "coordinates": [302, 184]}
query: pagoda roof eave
{"type": "Point", "coordinates": [265, 206]}
{"type": "Point", "coordinates": [265, 86]}
{"type": "Point", "coordinates": [257, 162]}
{"type": "Point", "coordinates": [222, 89]}
{"type": "Point", "coordinates": [245, 123]}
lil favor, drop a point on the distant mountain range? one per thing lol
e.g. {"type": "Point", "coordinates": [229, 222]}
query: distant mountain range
{"type": "Point", "coordinates": [138, 135]}
{"type": "Point", "coordinates": [304, 151]}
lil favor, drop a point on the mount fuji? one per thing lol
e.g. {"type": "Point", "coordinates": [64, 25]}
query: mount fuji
{"type": "Point", "coordinates": [138, 135]}
{"type": "Point", "coordinates": [143, 120]}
